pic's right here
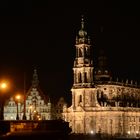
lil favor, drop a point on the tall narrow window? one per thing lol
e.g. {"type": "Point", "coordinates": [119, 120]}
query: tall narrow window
{"type": "Point", "coordinates": [80, 53]}
{"type": "Point", "coordinates": [75, 78]}
{"type": "Point", "coordinates": [86, 52]}
{"type": "Point", "coordinates": [80, 78]}
{"type": "Point", "coordinates": [80, 98]}
{"type": "Point", "coordinates": [85, 76]}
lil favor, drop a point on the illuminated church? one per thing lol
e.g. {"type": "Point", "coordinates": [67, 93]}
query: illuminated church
{"type": "Point", "coordinates": [99, 104]}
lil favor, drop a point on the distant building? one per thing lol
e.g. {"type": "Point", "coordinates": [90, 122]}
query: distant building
{"type": "Point", "coordinates": [60, 107]}
{"type": "Point", "coordinates": [38, 105]}
{"type": "Point", "coordinates": [99, 104]}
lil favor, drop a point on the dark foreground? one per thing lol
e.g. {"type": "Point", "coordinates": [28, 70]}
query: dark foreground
{"type": "Point", "coordinates": [45, 130]}
{"type": "Point", "coordinates": [34, 136]}
{"type": "Point", "coordinates": [56, 136]}
{"type": "Point", "coordinates": [37, 130]}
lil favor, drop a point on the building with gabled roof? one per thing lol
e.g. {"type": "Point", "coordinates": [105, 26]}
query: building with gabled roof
{"type": "Point", "coordinates": [37, 104]}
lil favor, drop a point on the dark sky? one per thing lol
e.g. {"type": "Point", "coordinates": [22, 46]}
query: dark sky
{"type": "Point", "coordinates": [42, 34]}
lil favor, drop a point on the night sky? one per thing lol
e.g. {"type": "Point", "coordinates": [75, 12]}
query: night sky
{"type": "Point", "coordinates": [42, 34]}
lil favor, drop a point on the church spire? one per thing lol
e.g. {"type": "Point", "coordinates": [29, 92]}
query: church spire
{"type": "Point", "coordinates": [82, 22]}
{"type": "Point", "coordinates": [82, 34]}
{"type": "Point", "coordinates": [35, 80]}
{"type": "Point", "coordinates": [83, 64]}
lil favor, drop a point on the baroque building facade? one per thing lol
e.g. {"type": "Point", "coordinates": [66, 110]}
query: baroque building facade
{"type": "Point", "coordinates": [36, 106]}
{"type": "Point", "coordinates": [99, 104]}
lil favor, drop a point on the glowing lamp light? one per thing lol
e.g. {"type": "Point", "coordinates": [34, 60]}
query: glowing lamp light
{"type": "Point", "coordinates": [30, 107]}
{"type": "Point", "coordinates": [128, 132]}
{"type": "Point", "coordinates": [3, 85]}
{"type": "Point", "coordinates": [137, 132]}
{"type": "Point", "coordinates": [91, 132]}
{"type": "Point", "coordinates": [18, 97]}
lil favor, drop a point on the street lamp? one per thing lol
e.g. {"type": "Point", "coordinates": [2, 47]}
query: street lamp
{"type": "Point", "coordinates": [17, 98]}
{"type": "Point", "coordinates": [3, 87]}
{"type": "Point", "coordinates": [30, 112]}
{"type": "Point", "coordinates": [24, 109]}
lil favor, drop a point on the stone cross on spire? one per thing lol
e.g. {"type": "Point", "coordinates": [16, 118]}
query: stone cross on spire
{"type": "Point", "coordinates": [82, 22]}
{"type": "Point", "coordinates": [82, 32]}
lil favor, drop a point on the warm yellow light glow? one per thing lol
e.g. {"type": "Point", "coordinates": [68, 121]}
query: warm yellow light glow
{"type": "Point", "coordinates": [30, 107]}
{"type": "Point", "coordinates": [3, 85]}
{"type": "Point", "coordinates": [128, 132]}
{"type": "Point", "coordinates": [91, 132]}
{"type": "Point", "coordinates": [18, 97]}
{"type": "Point", "coordinates": [137, 132]}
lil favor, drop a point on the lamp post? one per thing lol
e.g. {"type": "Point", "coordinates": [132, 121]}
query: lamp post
{"type": "Point", "coordinates": [3, 87]}
{"type": "Point", "coordinates": [24, 109]}
{"type": "Point", "coordinates": [30, 112]}
{"type": "Point", "coordinates": [17, 98]}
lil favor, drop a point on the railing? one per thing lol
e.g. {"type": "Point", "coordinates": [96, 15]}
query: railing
{"type": "Point", "coordinates": [111, 109]}
{"type": "Point", "coordinates": [117, 83]}
{"type": "Point", "coordinates": [105, 83]}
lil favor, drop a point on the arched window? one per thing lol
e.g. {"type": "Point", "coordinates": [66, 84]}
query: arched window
{"type": "Point", "coordinates": [79, 78]}
{"type": "Point", "coordinates": [80, 99]}
{"type": "Point", "coordinates": [86, 52]}
{"type": "Point", "coordinates": [85, 77]}
{"type": "Point", "coordinates": [75, 79]}
{"type": "Point", "coordinates": [80, 53]}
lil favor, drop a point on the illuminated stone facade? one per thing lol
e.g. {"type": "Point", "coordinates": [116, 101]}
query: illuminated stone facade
{"type": "Point", "coordinates": [38, 106]}
{"type": "Point", "coordinates": [99, 104]}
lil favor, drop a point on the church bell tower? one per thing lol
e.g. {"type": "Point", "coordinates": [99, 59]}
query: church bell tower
{"type": "Point", "coordinates": [83, 85]}
{"type": "Point", "coordinates": [83, 65]}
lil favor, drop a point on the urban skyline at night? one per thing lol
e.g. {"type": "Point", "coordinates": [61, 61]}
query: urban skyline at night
{"type": "Point", "coordinates": [69, 70]}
